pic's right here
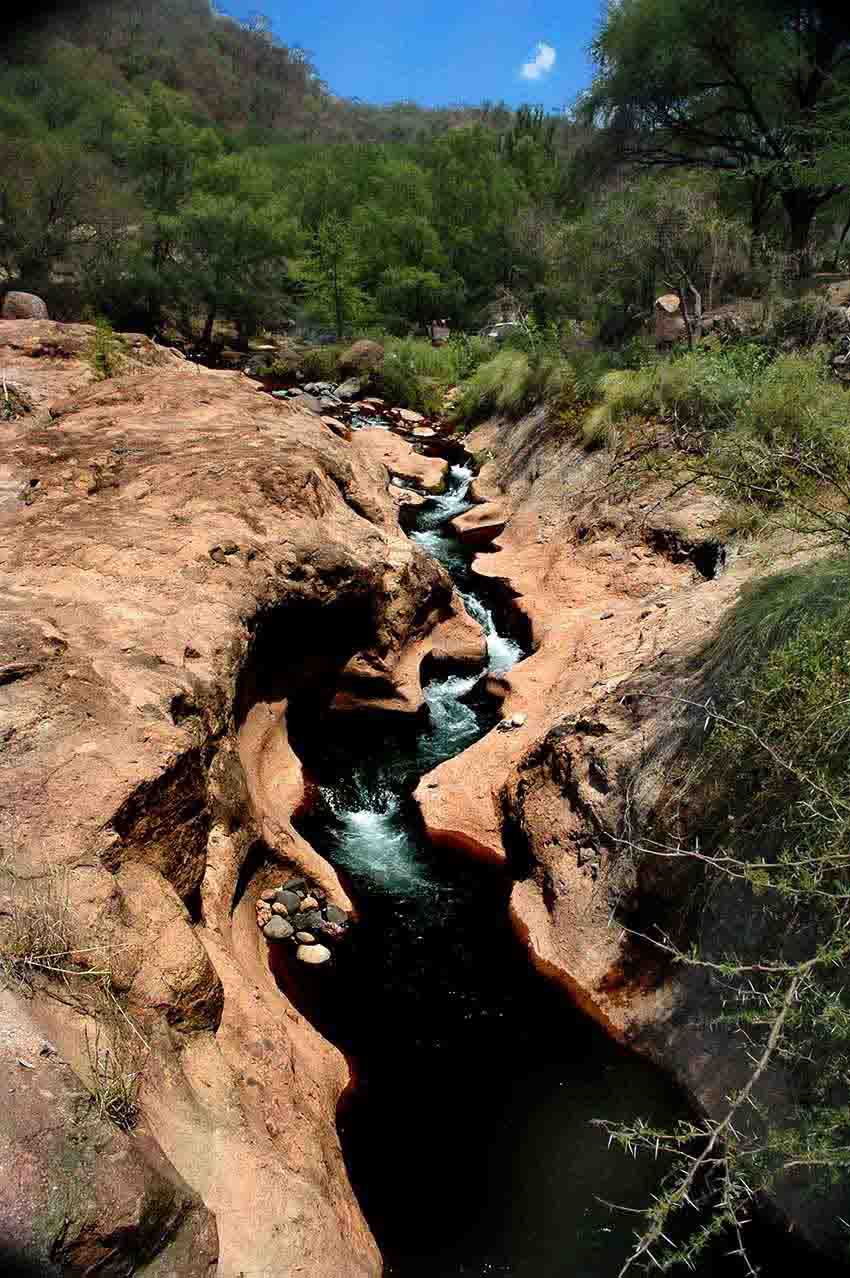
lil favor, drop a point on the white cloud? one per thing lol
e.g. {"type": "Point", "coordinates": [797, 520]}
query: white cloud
{"type": "Point", "coordinates": [541, 64]}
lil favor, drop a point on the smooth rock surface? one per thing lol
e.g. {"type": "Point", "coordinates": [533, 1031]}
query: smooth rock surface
{"type": "Point", "coordinates": [278, 929]}
{"type": "Point", "coordinates": [314, 954]}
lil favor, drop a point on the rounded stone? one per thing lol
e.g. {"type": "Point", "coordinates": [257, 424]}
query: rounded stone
{"type": "Point", "coordinates": [313, 953]}
{"type": "Point", "coordinates": [306, 938]}
{"type": "Point", "coordinates": [278, 929]}
{"type": "Point", "coordinates": [309, 903]}
{"type": "Point", "coordinates": [18, 305]}
{"type": "Point", "coordinates": [290, 900]}
{"type": "Point", "coordinates": [308, 921]}
{"type": "Point", "coordinates": [277, 908]}
{"type": "Point", "coordinates": [335, 915]}
{"type": "Point", "coordinates": [296, 885]}
{"type": "Point", "coordinates": [268, 895]}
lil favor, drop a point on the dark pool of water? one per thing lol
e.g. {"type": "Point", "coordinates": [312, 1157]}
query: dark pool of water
{"type": "Point", "coordinates": [468, 1134]}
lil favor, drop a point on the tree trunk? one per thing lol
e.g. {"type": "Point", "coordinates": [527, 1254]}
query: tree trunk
{"type": "Point", "coordinates": [801, 207]}
{"type": "Point", "coordinates": [206, 336]}
{"type": "Point", "coordinates": [761, 196]}
{"type": "Point", "coordinates": [338, 308]}
{"type": "Point", "coordinates": [842, 238]}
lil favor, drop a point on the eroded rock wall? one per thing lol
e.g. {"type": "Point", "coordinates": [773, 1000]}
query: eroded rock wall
{"type": "Point", "coordinates": [155, 530]}
{"type": "Point", "coordinates": [624, 589]}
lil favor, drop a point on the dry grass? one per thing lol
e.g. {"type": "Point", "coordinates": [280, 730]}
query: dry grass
{"type": "Point", "coordinates": [37, 953]}
{"type": "Point", "coordinates": [116, 1067]}
{"type": "Point", "coordinates": [35, 935]}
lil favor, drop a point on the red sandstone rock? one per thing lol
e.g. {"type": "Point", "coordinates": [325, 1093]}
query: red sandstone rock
{"type": "Point", "coordinates": [400, 459]}
{"type": "Point", "coordinates": [127, 644]}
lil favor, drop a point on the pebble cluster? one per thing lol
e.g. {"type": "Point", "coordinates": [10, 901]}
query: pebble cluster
{"type": "Point", "coordinates": [299, 913]}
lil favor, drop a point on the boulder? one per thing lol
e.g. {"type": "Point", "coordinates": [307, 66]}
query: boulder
{"type": "Point", "coordinates": [669, 321]}
{"type": "Point", "coordinates": [24, 306]}
{"type": "Point", "coordinates": [349, 390]}
{"type": "Point", "coordinates": [278, 929]}
{"type": "Point", "coordinates": [481, 525]}
{"type": "Point", "coordinates": [308, 921]}
{"type": "Point", "coordinates": [291, 901]}
{"type": "Point", "coordinates": [313, 953]}
{"type": "Point", "coordinates": [362, 357]}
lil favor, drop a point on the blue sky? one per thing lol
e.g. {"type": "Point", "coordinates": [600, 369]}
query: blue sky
{"type": "Point", "coordinates": [440, 51]}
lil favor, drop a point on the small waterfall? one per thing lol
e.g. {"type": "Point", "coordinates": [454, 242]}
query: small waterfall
{"type": "Point", "coordinates": [468, 1135]}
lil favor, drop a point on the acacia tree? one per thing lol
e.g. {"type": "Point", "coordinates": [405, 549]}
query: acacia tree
{"type": "Point", "coordinates": [744, 87]}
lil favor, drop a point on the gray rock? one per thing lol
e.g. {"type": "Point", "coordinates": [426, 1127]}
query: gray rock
{"type": "Point", "coordinates": [306, 938]}
{"type": "Point", "coordinates": [308, 921]}
{"type": "Point", "coordinates": [23, 306]}
{"type": "Point", "coordinates": [335, 915]}
{"type": "Point", "coordinates": [327, 403]}
{"type": "Point", "coordinates": [348, 390]}
{"type": "Point", "coordinates": [295, 885]}
{"type": "Point", "coordinates": [278, 929]}
{"type": "Point", "coordinates": [313, 953]}
{"type": "Point", "coordinates": [291, 900]}
{"type": "Point", "coordinates": [319, 388]}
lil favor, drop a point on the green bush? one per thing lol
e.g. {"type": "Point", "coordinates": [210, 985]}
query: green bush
{"type": "Point", "coordinates": [512, 382]}
{"type": "Point", "coordinates": [796, 401]}
{"type": "Point", "coordinates": [767, 774]}
{"type": "Point", "coordinates": [799, 324]}
{"type": "Point", "coordinates": [106, 351]}
{"type": "Point", "coordinates": [319, 363]}
{"type": "Point", "coordinates": [416, 374]}
{"type": "Point", "coordinates": [703, 390]}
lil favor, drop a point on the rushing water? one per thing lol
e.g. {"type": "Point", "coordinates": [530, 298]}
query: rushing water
{"type": "Point", "coordinates": [468, 1135]}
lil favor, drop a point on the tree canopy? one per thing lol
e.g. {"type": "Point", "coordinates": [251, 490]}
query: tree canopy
{"type": "Point", "coordinates": [744, 87]}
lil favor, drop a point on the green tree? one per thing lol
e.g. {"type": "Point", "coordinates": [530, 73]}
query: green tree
{"type": "Point", "coordinates": [738, 86]}
{"type": "Point", "coordinates": [417, 295]}
{"type": "Point", "coordinates": [330, 275]}
{"type": "Point", "coordinates": [232, 238]}
{"type": "Point", "coordinates": [164, 149]}
{"type": "Point", "coordinates": [476, 196]}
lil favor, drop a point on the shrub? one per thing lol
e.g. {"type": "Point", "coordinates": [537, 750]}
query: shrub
{"type": "Point", "coordinates": [770, 782]}
{"type": "Point", "coordinates": [319, 363]}
{"type": "Point", "coordinates": [796, 400]}
{"type": "Point", "coordinates": [106, 351]}
{"type": "Point", "coordinates": [512, 382]}
{"type": "Point", "coordinates": [703, 390]}
{"type": "Point", "coordinates": [800, 324]}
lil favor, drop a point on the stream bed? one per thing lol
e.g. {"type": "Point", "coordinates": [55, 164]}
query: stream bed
{"type": "Point", "coordinates": [468, 1132]}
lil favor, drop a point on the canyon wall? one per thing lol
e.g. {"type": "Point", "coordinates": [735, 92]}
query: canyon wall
{"type": "Point", "coordinates": [624, 588]}
{"type": "Point", "coordinates": [167, 537]}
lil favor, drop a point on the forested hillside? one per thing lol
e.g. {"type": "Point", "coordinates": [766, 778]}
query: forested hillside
{"type": "Point", "coordinates": [170, 168]}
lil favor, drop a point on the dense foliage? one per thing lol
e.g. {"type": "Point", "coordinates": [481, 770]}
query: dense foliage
{"type": "Point", "coordinates": [174, 169]}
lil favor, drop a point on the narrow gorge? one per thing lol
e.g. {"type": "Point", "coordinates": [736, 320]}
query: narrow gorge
{"type": "Point", "coordinates": [228, 672]}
